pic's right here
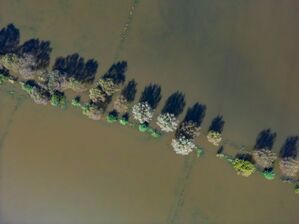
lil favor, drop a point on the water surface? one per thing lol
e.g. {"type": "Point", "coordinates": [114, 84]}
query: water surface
{"type": "Point", "coordinates": [237, 57]}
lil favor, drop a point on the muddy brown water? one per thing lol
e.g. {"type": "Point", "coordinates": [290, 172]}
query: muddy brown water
{"type": "Point", "coordinates": [240, 58]}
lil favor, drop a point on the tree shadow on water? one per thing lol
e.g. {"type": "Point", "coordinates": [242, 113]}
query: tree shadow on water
{"type": "Point", "coordinates": [129, 91]}
{"type": "Point", "coordinates": [9, 39]}
{"type": "Point", "coordinates": [74, 66]}
{"type": "Point", "coordinates": [39, 49]}
{"type": "Point", "coordinates": [117, 72]}
{"type": "Point", "coordinates": [265, 139]}
{"type": "Point", "coordinates": [244, 156]}
{"type": "Point", "coordinates": [152, 95]}
{"type": "Point", "coordinates": [174, 104]}
{"type": "Point", "coordinates": [289, 148]}
{"type": "Point", "coordinates": [217, 124]}
{"type": "Point", "coordinates": [196, 113]}
{"type": "Point", "coordinates": [4, 72]}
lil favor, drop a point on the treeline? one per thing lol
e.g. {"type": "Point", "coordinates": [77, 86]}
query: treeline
{"type": "Point", "coordinates": [29, 64]}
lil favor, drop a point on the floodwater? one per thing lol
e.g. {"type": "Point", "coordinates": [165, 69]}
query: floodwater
{"type": "Point", "coordinates": [240, 58]}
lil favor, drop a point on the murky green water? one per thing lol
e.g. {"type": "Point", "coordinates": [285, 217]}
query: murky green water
{"type": "Point", "coordinates": [238, 57]}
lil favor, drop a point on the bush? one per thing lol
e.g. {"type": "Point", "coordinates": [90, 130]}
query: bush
{"type": "Point", "coordinates": [76, 101]}
{"type": "Point", "coordinates": [111, 117]}
{"type": "Point", "coordinates": [58, 99]}
{"type": "Point", "coordinates": [154, 133]}
{"type": "Point", "coordinates": [124, 120]}
{"type": "Point", "coordinates": [26, 87]}
{"type": "Point", "coordinates": [143, 127]}
{"type": "Point", "coordinates": [199, 151]}
{"type": "Point", "coordinates": [269, 174]}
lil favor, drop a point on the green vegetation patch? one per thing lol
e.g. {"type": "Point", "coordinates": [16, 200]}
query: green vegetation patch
{"type": "Point", "coordinates": [269, 174]}
{"type": "Point", "coordinates": [76, 101]}
{"type": "Point", "coordinates": [143, 127]}
{"type": "Point", "coordinates": [154, 132]}
{"type": "Point", "coordinates": [111, 118]}
{"type": "Point", "coordinates": [124, 121]}
{"type": "Point", "coordinates": [199, 151]}
{"type": "Point", "coordinates": [58, 99]}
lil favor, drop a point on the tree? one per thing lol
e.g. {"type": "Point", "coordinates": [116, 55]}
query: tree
{"type": "Point", "coordinates": [243, 167]}
{"type": "Point", "coordinates": [74, 66]}
{"type": "Point", "coordinates": [38, 50]}
{"type": "Point", "coordinates": [142, 112]}
{"type": "Point", "coordinates": [215, 131]}
{"type": "Point", "coordinates": [167, 122]}
{"type": "Point", "coordinates": [174, 105]}
{"type": "Point", "coordinates": [182, 145]}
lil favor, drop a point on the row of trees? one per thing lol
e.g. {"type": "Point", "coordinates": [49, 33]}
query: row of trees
{"type": "Point", "coordinates": [30, 62]}
{"type": "Point", "coordinates": [263, 159]}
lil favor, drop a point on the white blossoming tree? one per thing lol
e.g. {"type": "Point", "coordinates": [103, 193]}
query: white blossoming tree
{"type": "Point", "coordinates": [142, 112]}
{"type": "Point", "coordinates": [167, 122]}
{"type": "Point", "coordinates": [182, 145]}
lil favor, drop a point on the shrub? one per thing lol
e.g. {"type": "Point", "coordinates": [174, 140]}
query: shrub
{"type": "Point", "coordinates": [269, 174]}
{"type": "Point", "coordinates": [154, 133]}
{"type": "Point", "coordinates": [143, 127]}
{"type": "Point", "coordinates": [124, 120]}
{"type": "Point", "coordinates": [76, 101]}
{"type": "Point", "coordinates": [112, 117]}
{"type": "Point", "coordinates": [58, 99]}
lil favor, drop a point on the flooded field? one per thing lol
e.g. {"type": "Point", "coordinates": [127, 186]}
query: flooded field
{"type": "Point", "coordinates": [240, 58]}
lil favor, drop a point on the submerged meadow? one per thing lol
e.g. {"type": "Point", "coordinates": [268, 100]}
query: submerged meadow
{"type": "Point", "coordinates": [77, 83]}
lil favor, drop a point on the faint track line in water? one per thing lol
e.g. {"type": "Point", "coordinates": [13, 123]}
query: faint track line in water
{"type": "Point", "coordinates": [181, 187]}
{"type": "Point", "coordinates": [125, 29]}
